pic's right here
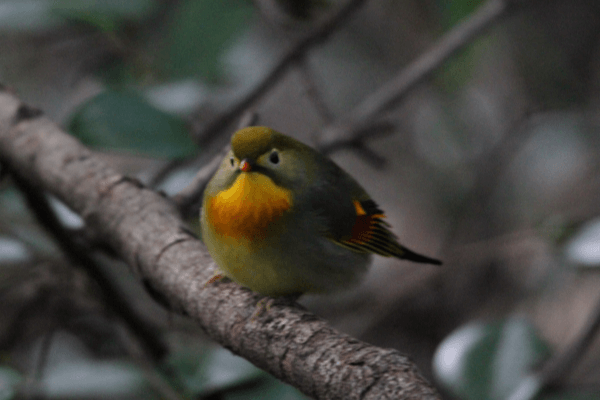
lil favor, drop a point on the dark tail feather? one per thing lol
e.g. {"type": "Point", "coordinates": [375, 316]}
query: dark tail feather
{"type": "Point", "coordinates": [412, 256]}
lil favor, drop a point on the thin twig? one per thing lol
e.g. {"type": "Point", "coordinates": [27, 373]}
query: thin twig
{"type": "Point", "coordinates": [313, 91]}
{"type": "Point", "coordinates": [562, 363]}
{"type": "Point", "coordinates": [317, 36]}
{"type": "Point", "coordinates": [389, 95]}
{"type": "Point", "coordinates": [489, 168]}
{"type": "Point", "coordinates": [31, 389]}
{"type": "Point", "coordinates": [379, 128]}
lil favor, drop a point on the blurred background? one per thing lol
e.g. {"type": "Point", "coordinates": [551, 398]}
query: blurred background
{"type": "Point", "coordinates": [491, 164]}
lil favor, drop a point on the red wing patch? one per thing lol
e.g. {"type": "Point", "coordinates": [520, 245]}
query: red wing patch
{"type": "Point", "coordinates": [370, 234]}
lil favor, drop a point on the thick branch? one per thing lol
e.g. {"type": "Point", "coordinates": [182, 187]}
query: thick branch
{"type": "Point", "coordinates": [116, 302]}
{"type": "Point", "coordinates": [144, 229]}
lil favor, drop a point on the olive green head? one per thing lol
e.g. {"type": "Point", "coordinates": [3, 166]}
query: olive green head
{"type": "Point", "coordinates": [254, 141]}
{"type": "Point", "coordinates": [285, 160]}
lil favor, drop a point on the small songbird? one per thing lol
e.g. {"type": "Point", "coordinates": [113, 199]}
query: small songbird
{"type": "Point", "coordinates": [281, 219]}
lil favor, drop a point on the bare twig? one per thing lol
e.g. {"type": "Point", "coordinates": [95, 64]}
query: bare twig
{"type": "Point", "coordinates": [346, 130]}
{"type": "Point", "coordinates": [560, 365]}
{"type": "Point", "coordinates": [313, 92]}
{"type": "Point", "coordinates": [489, 168]}
{"type": "Point", "coordinates": [317, 36]}
{"type": "Point", "coordinates": [31, 387]}
{"type": "Point", "coordinates": [145, 230]}
{"type": "Point", "coordinates": [379, 128]}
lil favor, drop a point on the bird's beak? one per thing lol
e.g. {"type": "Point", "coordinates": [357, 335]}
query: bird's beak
{"type": "Point", "coordinates": [246, 165]}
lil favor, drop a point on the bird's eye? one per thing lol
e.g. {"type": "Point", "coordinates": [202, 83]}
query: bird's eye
{"type": "Point", "coordinates": [274, 157]}
{"type": "Point", "coordinates": [232, 161]}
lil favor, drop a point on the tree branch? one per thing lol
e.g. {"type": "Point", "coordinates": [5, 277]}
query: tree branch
{"type": "Point", "coordinates": [116, 302]}
{"type": "Point", "coordinates": [144, 229]}
{"type": "Point", "coordinates": [297, 51]}
{"type": "Point", "coordinates": [352, 127]}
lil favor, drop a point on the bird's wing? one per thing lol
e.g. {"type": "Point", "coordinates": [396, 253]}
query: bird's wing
{"type": "Point", "coordinates": [353, 220]}
{"type": "Point", "coordinates": [370, 233]}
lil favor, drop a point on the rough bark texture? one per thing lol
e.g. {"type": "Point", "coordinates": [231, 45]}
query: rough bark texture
{"type": "Point", "coordinates": [145, 230]}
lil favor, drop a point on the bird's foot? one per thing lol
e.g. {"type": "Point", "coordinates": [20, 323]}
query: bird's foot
{"type": "Point", "coordinates": [264, 305]}
{"type": "Point", "coordinates": [217, 276]}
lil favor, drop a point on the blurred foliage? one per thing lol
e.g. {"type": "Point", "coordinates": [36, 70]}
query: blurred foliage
{"type": "Point", "coordinates": [489, 361]}
{"type": "Point", "coordinates": [583, 247]}
{"type": "Point", "coordinates": [482, 361]}
{"type": "Point", "coordinates": [217, 371]}
{"type": "Point", "coordinates": [94, 379]}
{"type": "Point", "coordinates": [125, 121]}
{"type": "Point", "coordinates": [198, 33]}
{"type": "Point", "coordinates": [106, 15]}
{"type": "Point", "coordinates": [454, 11]}
{"type": "Point", "coordinates": [9, 381]}
{"type": "Point", "coordinates": [42, 15]}
{"type": "Point", "coordinates": [151, 66]}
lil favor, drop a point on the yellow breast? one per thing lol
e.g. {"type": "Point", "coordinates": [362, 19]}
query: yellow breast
{"type": "Point", "coordinates": [248, 209]}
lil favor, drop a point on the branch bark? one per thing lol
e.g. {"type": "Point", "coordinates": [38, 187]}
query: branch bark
{"type": "Point", "coordinates": [143, 227]}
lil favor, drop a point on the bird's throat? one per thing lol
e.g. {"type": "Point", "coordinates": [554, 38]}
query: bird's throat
{"type": "Point", "coordinates": [249, 208]}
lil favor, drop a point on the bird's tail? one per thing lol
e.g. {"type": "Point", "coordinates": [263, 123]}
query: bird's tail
{"type": "Point", "coordinates": [412, 256]}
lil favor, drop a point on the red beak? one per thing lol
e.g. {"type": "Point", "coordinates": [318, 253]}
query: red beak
{"type": "Point", "coordinates": [245, 165]}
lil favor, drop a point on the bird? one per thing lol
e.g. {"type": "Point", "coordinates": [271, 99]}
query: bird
{"type": "Point", "coordinates": [281, 219]}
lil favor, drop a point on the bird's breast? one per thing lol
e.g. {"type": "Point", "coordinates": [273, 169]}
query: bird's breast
{"type": "Point", "coordinates": [249, 208]}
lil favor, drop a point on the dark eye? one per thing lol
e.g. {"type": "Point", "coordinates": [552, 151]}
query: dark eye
{"type": "Point", "coordinates": [274, 157]}
{"type": "Point", "coordinates": [232, 161]}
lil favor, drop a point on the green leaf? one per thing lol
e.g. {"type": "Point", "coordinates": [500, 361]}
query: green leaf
{"type": "Point", "coordinates": [267, 389]}
{"type": "Point", "coordinates": [125, 121]}
{"type": "Point", "coordinates": [459, 70]}
{"type": "Point", "coordinates": [200, 31]}
{"type": "Point", "coordinates": [455, 10]}
{"type": "Point", "coordinates": [483, 361]}
{"type": "Point", "coordinates": [215, 370]}
{"type": "Point", "coordinates": [29, 16]}
{"type": "Point", "coordinates": [13, 251]}
{"type": "Point", "coordinates": [106, 14]}
{"type": "Point", "coordinates": [206, 373]}
{"type": "Point", "coordinates": [40, 15]}
{"type": "Point", "coordinates": [9, 380]}
{"type": "Point", "coordinates": [93, 379]}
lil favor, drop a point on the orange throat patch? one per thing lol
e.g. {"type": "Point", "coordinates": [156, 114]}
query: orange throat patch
{"type": "Point", "coordinates": [248, 208]}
